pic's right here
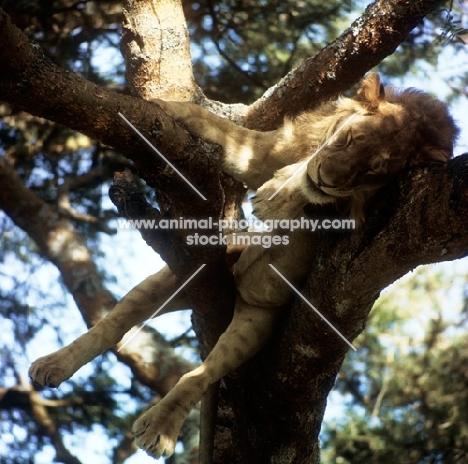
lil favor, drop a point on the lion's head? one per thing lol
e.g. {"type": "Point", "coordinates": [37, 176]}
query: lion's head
{"type": "Point", "coordinates": [371, 139]}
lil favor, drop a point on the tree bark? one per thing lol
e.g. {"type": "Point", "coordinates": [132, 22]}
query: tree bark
{"type": "Point", "coordinates": [371, 38]}
{"type": "Point", "coordinates": [281, 394]}
{"type": "Point", "coordinates": [72, 97]}
{"type": "Point", "coordinates": [273, 405]}
{"type": "Point", "coordinates": [152, 32]}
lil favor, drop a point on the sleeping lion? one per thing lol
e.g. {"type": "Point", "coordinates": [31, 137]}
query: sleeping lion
{"type": "Point", "coordinates": [345, 150]}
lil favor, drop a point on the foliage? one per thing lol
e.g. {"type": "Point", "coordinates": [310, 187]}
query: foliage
{"type": "Point", "coordinates": [396, 405]}
{"type": "Point", "coordinates": [240, 49]}
{"type": "Point", "coordinates": [276, 36]}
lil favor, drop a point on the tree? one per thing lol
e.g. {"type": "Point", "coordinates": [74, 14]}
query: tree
{"type": "Point", "coordinates": [414, 417]}
{"type": "Point", "coordinates": [279, 397]}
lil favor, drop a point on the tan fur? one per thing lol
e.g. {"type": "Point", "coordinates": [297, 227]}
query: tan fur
{"type": "Point", "coordinates": [135, 307]}
{"type": "Point", "coordinates": [389, 131]}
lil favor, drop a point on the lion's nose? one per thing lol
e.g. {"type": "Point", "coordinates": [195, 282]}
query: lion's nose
{"type": "Point", "coordinates": [320, 181]}
{"type": "Point", "coordinates": [335, 173]}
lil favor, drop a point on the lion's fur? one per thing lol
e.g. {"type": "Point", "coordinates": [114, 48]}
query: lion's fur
{"type": "Point", "coordinates": [436, 129]}
{"type": "Point", "coordinates": [416, 110]}
{"type": "Point", "coordinates": [399, 129]}
{"type": "Point", "coordinates": [391, 130]}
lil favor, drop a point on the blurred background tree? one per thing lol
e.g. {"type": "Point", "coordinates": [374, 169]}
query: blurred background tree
{"type": "Point", "coordinates": [404, 392]}
{"type": "Point", "coordinates": [400, 397]}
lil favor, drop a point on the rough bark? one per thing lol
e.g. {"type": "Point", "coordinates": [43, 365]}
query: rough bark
{"type": "Point", "coordinates": [274, 405]}
{"type": "Point", "coordinates": [152, 31]}
{"type": "Point", "coordinates": [371, 38]}
{"type": "Point", "coordinates": [422, 219]}
{"type": "Point", "coordinates": [73, 96]}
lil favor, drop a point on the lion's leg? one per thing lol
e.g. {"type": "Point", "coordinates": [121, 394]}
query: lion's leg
{"type": "Point", "coordinates": [157, 430]}
{"type": "Point", "coordinates": [136, 306]}
{"type": "Point", "coordinates": [261, 295]}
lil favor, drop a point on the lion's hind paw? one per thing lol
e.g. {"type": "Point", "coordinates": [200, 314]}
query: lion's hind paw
{"type": "Point", "coordinates": [156, 433]}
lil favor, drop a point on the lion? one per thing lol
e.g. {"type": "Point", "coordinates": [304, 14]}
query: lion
{"type": "Point", "coordinates": [342, 151]}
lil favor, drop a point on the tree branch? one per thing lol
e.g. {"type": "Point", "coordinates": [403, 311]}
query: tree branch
{"type": "Point", "coordinates": [23, 396]}
{"type": "Point", "coordinates": [71, 183]}
{"type": "Point", "coordinates": [150, 35]}
{"type": "Point", "coordinates": [421, 219]}
{"type": "Point", "coordinates": [371, 38]}
{"type": "Point", "coordinates": [66, 249]}
{"type": "Point", "coordinates": [73, 97]}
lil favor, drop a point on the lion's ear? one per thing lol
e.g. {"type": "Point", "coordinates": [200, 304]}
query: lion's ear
{"type": "Point", "coordinates": [371, 93]}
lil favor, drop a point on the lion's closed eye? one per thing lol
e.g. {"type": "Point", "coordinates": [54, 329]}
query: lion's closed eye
{"type": "Point", "coordinates": [343, 139]}
{"type": "Point", "coordinates": [346, 139]}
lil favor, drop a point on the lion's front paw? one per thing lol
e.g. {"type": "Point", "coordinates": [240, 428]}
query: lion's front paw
{"type": "Point", "coordinates": [156, 431]}
{"type": "Point", "coordinates": [50, 371]}
{"type": "Point", "coordinates": [282, 196]}
{"type": "Point", "coordinates": [271, 203]}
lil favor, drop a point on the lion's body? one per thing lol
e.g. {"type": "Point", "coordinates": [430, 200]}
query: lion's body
{"type": "Point", "coordinates": [381, 134]}
{"type": "Point", "coordinates": [347, 149]}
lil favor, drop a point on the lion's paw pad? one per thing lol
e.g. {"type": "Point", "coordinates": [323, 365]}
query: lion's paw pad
{"type": "Point", "coordinates": [47, 372]}
{"type": "Point", "coordinates": [156, 436]}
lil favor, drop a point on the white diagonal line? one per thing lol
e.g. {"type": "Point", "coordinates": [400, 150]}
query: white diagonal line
{"type": "Point", "coordinates": [324, 144]}
{"type": "Point", "coordinates": [289, 179]}
{"type": "Point", "coordinates": [160, 154]}
{"type": "Point", "coordinates": [313, 307]}
{"type": "Point", "coordinates": [162, 306]}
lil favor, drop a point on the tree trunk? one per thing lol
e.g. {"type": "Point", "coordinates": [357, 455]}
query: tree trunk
{"type": "Point", "coordinates": [279, 397]}
{"type": "Point", "coordinates": [271, 409]}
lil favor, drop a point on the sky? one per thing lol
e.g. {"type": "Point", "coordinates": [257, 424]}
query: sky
{"type": "Point", "coordinates": [432, 80]}
{"type": "Point", "coordinates": [136, 265]}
